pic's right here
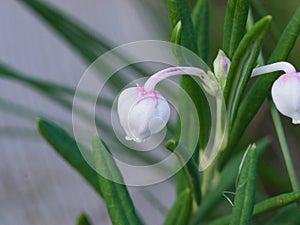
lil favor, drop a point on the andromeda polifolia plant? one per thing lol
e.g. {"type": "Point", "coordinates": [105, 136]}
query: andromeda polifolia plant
{"type": "Point", "coordinates": [230, 174]}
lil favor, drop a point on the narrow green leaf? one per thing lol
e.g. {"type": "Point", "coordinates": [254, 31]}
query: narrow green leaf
{"type": "Point", "coordinates": [235, 24]}
{"type": "Point", "coordinates": [200, 18]}
{"type": "Point", "coordinates": [226, 183]}
{"type": "Point", "coordinates": [276, 202]}
{"type": "Point", "coordinates": [118, 202]}
{"type": "Point", "coordinates": [267, 205]}
{"type": "Point", "coordinates": [9, 73]}
{"type": "Point", "coordinates": [83, 220]}
{"type": "Point", "coordinates": [176, 33]}
{"type": "Point", "coordinates": [243, 61]}
{"type": "Point", "coordinates": [245, 190]}
{"type": "Point", "coordinates": [173, 12]}
{"type": "Point", "coordinates": [181, 211]}
{"type": "Point", "coordinates": [47, 87]}
{"type": "Point", "coordinates": [190, 172]}
{"type": "Point", "coordinates": [179, 11]}
{"type": "Point", "coordinates": [188, 40]}
{"type": "Point", "coordinates": [67, 148]}
{"type": "Point", "coordinates": [262, 86]}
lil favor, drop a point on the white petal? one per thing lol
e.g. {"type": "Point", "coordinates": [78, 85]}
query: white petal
{"type": "Point", "coordinates": [286, 95]}
{"type": "Point", "coordinates": [145, 115]}
{"type": "Point", "coordinates": [125, 101]}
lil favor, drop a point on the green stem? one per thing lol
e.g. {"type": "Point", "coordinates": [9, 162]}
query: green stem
{"type": "Point", "coordinates": [284, 147]}
{"type": "Point", "coordinates": [219, 144]}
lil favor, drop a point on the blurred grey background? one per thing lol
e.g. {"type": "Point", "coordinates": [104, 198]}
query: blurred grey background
{"type": "Point", "coordinates": [36, 185]}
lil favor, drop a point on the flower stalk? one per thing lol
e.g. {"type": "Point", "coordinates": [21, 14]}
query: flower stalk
{"type": "Point", "coordinates": [284, 147]}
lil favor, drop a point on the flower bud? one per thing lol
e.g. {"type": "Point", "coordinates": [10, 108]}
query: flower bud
{"type": "Point", "coordinates": [221, 67]}
{"type": "Point", "coordinates": [286, 95]}
{"type": "Point", "coordinates": [142, 113]}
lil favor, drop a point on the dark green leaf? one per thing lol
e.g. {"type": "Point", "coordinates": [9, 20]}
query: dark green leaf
{"type": "Point", "coordinates": [67, 148]}
{"type": "Point", "coordinates": [235, 24]}
{"type": "Point", "coordinates": [200, 17]}
{"type": "Point", "coordinates": [182, 209]}
{"type": "Point", "coordinates": [267, 205]}
{"type": "Point", "coordinates": [118, 202]}
{"type": "Point", "coordinates": [243, 61]}
{"type": "Point", "coordinates": [179, 11]}
{"type": "Point", "coordinates": [261, 88]}
{"type": "Point", "coordinates": [245, 191]}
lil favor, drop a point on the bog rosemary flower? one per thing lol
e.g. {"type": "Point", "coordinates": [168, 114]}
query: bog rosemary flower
{"type": "Point", "coordinates": [143, 111]}
{"type": "Point", "coordinates": [285, 90]}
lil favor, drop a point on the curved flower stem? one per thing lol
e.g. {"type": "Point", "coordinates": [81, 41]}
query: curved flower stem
{"type": "Point", "coordinates": [175, 71]}
{"type": "Point", "coordinates": [284, 147]}
{"type": "Point", "coordinates": [278, 66]}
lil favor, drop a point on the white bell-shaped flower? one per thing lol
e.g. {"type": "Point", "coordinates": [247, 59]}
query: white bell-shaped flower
{"type": "Point", "coordinates": [285, 90]}
{"type": "Point", "coordinates": [286, 95]}
{"type": "Point", "coordinates": [142, 113]}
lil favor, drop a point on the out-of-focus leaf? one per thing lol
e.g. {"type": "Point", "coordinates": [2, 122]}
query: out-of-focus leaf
{"type": "Point", "coordinates": [246, 188]}
{"type": "Point", "coordinates": [243, 61]}
{"type": "Point", "coordinates": [200, 17]}
{"type": "Point", "coordinates": [173, 12]}
{"type": "Point", "coordinates": [118, 202]}
{"type": "Point", "coordinates": [46, 86]}
{"type": "Point", "coordinates": [86, 42]}
{"type": "Point", "coordinates": [262, 86]}
{"type": "Point", "coordinates": [235, 24]}
{"type": "Point", "coordinates": [67, 148]}
{"type": "Point", "coordinates": [181, 211]}
{"type": "Point", "coordinates": [83, 220]}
